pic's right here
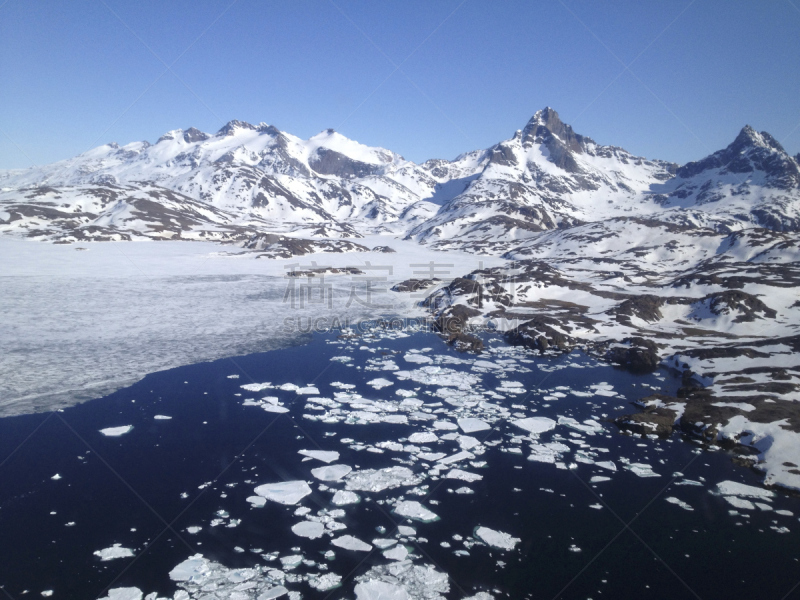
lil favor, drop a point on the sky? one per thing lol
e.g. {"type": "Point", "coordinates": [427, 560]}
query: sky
{"type": "Point", "coordinates": [674, 80]}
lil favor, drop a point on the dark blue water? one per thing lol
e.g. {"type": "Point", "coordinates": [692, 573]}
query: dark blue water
{"type": "Point", "coordinates": [128, 490]}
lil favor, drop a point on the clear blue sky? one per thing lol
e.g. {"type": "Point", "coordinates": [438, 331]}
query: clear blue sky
{"type": "Point", "coordinates": [79, 73]}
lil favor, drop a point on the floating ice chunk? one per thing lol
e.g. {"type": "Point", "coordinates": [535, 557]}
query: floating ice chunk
{"type": "Point", "coordinates": [642, 470]}
{"type": "Point", "coordinates": [274, 408]}
{"type": "Point", "coordinates": [47, 593]}
{"type": "Point", "coordinates": [193, 568]}
{"type": "Point", "coordinates": [599, 479]}
{"type": "Point", "coordinates": [343, 497]}
{"type": "Point", "coordinates": [589, 426]}
{"type": "Point", "coordinates": [371, 480]}
{"type": "Point", "coordinates": [348, 542]}
{"type": "Point", "coordinates": [431, 456]}
{"type": "Point", "coordinates": [195, 529]}
{"type": "Point", "coordinates": [496, 539]}
{"type": "Point", "coordinates": [411, 509]}
{"type": "Point", "coordinates": [407, 531]}
{"type": "Point", "coordinates": [402, 580]}
{"type": "Point", "coordinates": [257, 501]}
{"type": "Point", "coordinates": [596, 506]}
{"type": "Point", "coordinates": [463, 475]}
{"type": "Point", "coordinates": [737, 502]}
{"type": "Point", "coordinates": [308, 529]}
{"type": "Point", "coordinates": [380, 383]}
{"type": "Point", "coordinates": [678, 502]}
{"type": "Point", "coordinates": [380, 590]}
{"type": "Point", "coordinates": [399, 552]}
{"type": "Point", "coordinates": [467, 442]}
{"type": "Point", "coordinates": [481, 596]}
{"type": "Point", "coordinates": [325, 582]}
{"type": "Point", "coordinates": [326, 456]}
{"type": "Point", "coordinates": [291, 561]}
{"type": "Point", "coordinates": [417, 358]}
{"type": "Point", "coordinates": [309, 390]}
{"type": "Point", "coordinates": [115, 551]}
{"type": "Point", "coordinates": [331, 473]}
{"type": "Point", "coordinates": [464, 490]}
{"type": "Point", "coordinates": [733, 488]}
{"type": "Point", "coordinates": [272, 593]}
{"type": "Point", "coordinates": [458, 457]}
{"type": "Point", "coordinates": [547, 453]}
{"type": "Point", "coordinates": [607, 464]}
{"type": "Point", "coordinates": [123, 593]}
{"type": "Point", "coordinates": [383, 543]}
{"type": "Point", "coordinates": [445, 425]}
{"type": "Point", "coordinates": [471, 425]}
{"type": "Point", "coordinates": [287, 387]}
{"type": "Point", "coordinates": [116, 431]}
{"type": "Point", "coordinates": [162, 418]}
{"type": "Point", "coordinates": [285, 492]}
{"type": "Point", "coordinates": [535, 424]}
{"type": "Point", "coordinates": [56, 477]}
{"type": "Point", "coordinates": [256, 387]}
{"type": "Point", "coordinates": [423, 437]}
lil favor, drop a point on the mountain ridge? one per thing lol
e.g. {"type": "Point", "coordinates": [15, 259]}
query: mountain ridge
{"type": "Point", "coordinates": [546, 176]}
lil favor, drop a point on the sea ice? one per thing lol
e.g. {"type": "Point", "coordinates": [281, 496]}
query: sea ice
{"type": "Point", "coordinates": [116, 431]}
{"type": "Point", "coordinates": [423, 437]}
{"type": "Point", "coordinates": [285, 492]}
{"type": "Point", "coordinates": [678, 502]}
{"type": "Point", "coordinates": [348, 542]}
{"type": "Point", "coordinates": [463, 475]}
{"type": "Point", "coordinates": [325, 582]}
{"type": "Point", "coordinates": [380, 383]}
{"type": "Point", "coordinates": [326, 456]}
{"type": "Point", "coordinates": [399, 552]}
{"type": "Point", "coordinates": [411, 509]}
{"type": "Point", "coordinates": [380, 590]}
{"type": "Point", "coordinates": [115, 551]}
{"type": "Point", "coordinates": [535, 424]}
{"type": "Point", "coordinates": [308, 529]}
{"type": "Point", "coordinates": [331, 473]}
{"type": "Point", "coordinates": [371, 480]}
{"type": "Point", "coordinates": [471, 425]}
{"type": "Point", "coordinates": [343, 497]}
{"type": "Point", "coordinates": [496, 539]}
{"type": "Point", "coordinates": [124, 593]}
{"type": "Point", "coordinates": [733, 488]}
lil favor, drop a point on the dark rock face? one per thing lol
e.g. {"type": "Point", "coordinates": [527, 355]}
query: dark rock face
{"type": "Point", "coordinates": [540, 334]}
{"type": "Point", "coordinates": [384, 249]}
{"type": "Point", "coordinates": [330, 162]}
{"type": "Point", "coordinates": [652, 420]}
{"type": "Point", "coordinates": [231, 126]}
{"type": "Point", "coordinates": [192, 135]}
{"type": "Point", "coordinates": [639, 355]}
{"type": "Point", "coordinates": [723, 302]}
{"type": "Point", "coordinates": [750, 151]}
{"type": "Point", "coordinates": [414, 285]}
{"type": "Point", "coordinates": [454, 319]}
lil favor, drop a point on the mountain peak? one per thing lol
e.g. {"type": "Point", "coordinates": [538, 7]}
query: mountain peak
{"type": "Point", "coordinates": [750, 138]}
{"type": "Point", "coordinates": [231, 127]}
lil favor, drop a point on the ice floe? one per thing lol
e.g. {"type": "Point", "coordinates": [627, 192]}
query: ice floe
{"type": "Point", "coordinates": [115, 551]}
{"type": "Point", "coordinates": [285, 492]}
{"type": "Point", "coordinates": [116, 431]}
{"type": "Point", "coordinates": [348, 542]}
{"type": "Point", "coordinates": [411, 509]}
{"type": "Point", "coordinates": [496, 539]}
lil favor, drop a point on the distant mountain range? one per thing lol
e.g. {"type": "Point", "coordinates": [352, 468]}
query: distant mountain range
{"type": "Point", "coordinates": [254, 179]}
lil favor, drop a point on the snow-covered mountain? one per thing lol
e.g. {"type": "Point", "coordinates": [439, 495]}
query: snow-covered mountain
{"type": "Point", "coordinates": [248, 179]}
{"type": "Point", "coordinates": [641, 261]}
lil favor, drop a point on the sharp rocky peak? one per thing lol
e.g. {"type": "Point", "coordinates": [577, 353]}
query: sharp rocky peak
{"type": "Point", "coordinates": [545, 124]}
